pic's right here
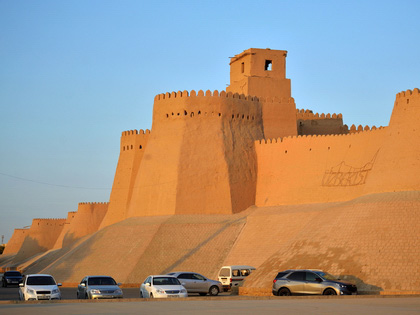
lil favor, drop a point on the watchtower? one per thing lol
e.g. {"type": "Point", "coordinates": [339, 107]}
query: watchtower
{"type": "Point", "coordinates": [260, 72]}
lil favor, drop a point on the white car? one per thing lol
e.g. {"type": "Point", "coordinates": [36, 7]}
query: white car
{"type": "Point", "coordinates": [39, 287]}
{"type": "Point", "coordinates": [162, 286]}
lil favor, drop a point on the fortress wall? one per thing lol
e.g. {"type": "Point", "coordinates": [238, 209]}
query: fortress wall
{"type": "Point", "coordinates": [87, 220]}
{"type": "Point", "coordinates": [372, 241]}
{"type": "Point", "coordinates": [398, 165]}
{"type": "Point", "coordinates": [200, 142]}
{"type": "Point", "coordinates": [311, 169]}
{"type": "Point", "coordinates": [41, 237]}
{"type": "Point", "coordinates": [59, 242]}
{"type": "Point", "coordinates": [309, 123]}
{"type": "Point", "coordinates": [132, 147]}
{"type": "Point", "coordinates": [16, 241]}
{"type": "Point", "coordinates": [279, 117]}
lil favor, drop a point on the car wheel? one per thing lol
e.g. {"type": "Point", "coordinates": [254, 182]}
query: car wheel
{"type": "Point", "coordinates": [284, 292]}
{"type": "Point", "coordinates": [151, 295]}
{"type": "Point", "coordinates": [214, 290]}
{"type": "Point", "coordinates": [86, 296]}
{"type": "Point", "coordinates": [330, 292]}
{"type": "Point", "coordinates": [141, 294]}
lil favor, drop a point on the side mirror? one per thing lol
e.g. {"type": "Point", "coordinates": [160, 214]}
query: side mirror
{"type": "Point", "coordinates": [183, 283]}
{"type": "Point", "coordinates": [21, 285]}
{"type": "Point", "coordinates": [148, 284]}
{"type": "Point", "coordinates": [119, 284]}
{"type": "Point", "coordinates": [83, 284]}
{"type": "Point", "coordinates": [59, 284]}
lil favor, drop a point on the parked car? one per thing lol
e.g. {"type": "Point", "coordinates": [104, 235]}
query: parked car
{"type": "Point", "coordinates": [39, 287]}
{"type": "Point", "coordinates": [310, 281]}
{"type": "Point", "coordinates": [11, 277]}
{"type": "Point", "coordinates": [162, 286]}
{"type": "Point", "coordinates": [99, 287]}
{"type": "Point", "coordinates": [233, 276]}
{"type": "Point", "coordinates": [196, 283]}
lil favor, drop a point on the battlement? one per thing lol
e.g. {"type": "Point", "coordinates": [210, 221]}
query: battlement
{"type": "Point", "coordinates": [93, 203]}
{"type": "Point", "coordinates": [135, 132]}
{"type": "Point", "coordinates": [360, 128]}
{"type": "Point", "coordinates": [308, 114]}
{"type": "Point", "coordinates": [47, 221]}
{"type": "Point", "coordinates": [297, 138]}
{"type": "Point", "coordinates": [408, 93]}
{"type": "Point", "coordinates": [200, 93]}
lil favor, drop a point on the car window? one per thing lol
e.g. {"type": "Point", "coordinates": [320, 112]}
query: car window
{"type": "Point", "coordinates": [224, 272]}
{"type": "Point", "coordinates": [281, 275]}
{"type": "Point", "coordinates": [310, 276]}
{"type": "Point", "coordinates": [40, 280]}
{"type": "Point", "coordinates": [165, 281]}
{"type": "Point", "coordinates": [197, 277]}
{"type": "Point", "coordinates": [298, 275]}
{"type": "Point", "coordinates": [13, 274]}
{"type": "Point", "coordinates": [235, 273]}
{"type": "Point", "coordinates": [184, 276]}
{"type": "Point", "coordinates": [101, 281]}
{"type": "Point", "coordinates": [148, 280]}
{"type": "Point", "coordinates": [245, 272]}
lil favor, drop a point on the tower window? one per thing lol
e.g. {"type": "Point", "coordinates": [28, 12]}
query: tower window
{"type": "Point", "coordinates": [268, 65]}
{"type": "Point", "coordinates": [242, 67]}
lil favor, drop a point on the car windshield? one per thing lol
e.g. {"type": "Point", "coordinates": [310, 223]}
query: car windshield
{"type": "Point", "coordinates": [13, 274]}
{"type": "Point", "coordinates": [326, 275]}
{"type": "Point", "coordinates": [101, 281]}
{"type": "Point", "coordinates": [40, 280]}
{"type": "Point", "coordinates": [166, 281]}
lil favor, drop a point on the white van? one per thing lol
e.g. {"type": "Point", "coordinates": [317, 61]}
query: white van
{"type": "Point", "coordinates": [232, 276]}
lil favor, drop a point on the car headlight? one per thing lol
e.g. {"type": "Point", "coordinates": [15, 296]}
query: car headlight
{"type": "Point", "coordinates": [55, 291]}
{"type": "Point", "coordinates": [118, 291]}
{"type": "Point", "coordinates": [160, 291]}
{"type": "Point", "coordinates": [95, 291]}
{"type": "Point", "coordinates": [30, 291]}
{"type": "Point", "coordinates": [183, 291]}
{"type": "Point", "coordinates": [342, 285]}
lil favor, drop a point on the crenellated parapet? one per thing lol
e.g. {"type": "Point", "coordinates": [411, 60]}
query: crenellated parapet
{"type": "Point", "coordinates": [360, 128]}
{"type": "Point", "coordinates": [306, 114]}
{"type": "Point", "coordinates": [217, 105]}
{"type": "Point", "coordinates": [311, 138]}
{"type": "Point", "coordinates": [406, 111]}
{"type": "Point", "coordinates": [134, 140]}
{"type": "Point", "coordinates": [93, 203]}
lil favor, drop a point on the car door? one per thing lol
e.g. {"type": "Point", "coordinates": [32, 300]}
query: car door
{"type": "Point", "coordinates": [296, 282]}
{"type": "Point", "coordinates": [313, 283]}
{"type": "Point", "coordinates": [81, 290]}
{"type": "Point", "coordinates": [187, 281]}
{"type": "Point", "coordinates": [147, 287]}
{"type": "Point", "coordinates": [200, 283]}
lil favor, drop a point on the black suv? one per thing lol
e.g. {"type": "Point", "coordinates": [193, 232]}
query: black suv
{"type": "Point", "coordinates": [11, 277]}
{"type": "Point", "coordinates": [310, 281]}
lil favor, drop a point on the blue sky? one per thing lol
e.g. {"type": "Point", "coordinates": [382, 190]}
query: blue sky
{"type": "Point", "coordinates": [75, 74]}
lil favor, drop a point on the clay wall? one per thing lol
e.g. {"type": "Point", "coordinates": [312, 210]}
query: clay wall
{"type": "Point", "coordinates": [87, 220]}
{"type": "Point", "coordinates": [279, 117]}
{"type": "Point", "coordinates": [309, 123]}
{"type": "Point", "coordinates": [309, 169]}
{"type": "Point", "coordinates": [59, 242]}
{"type": "Point", "coordinates": [132, 147]}
{"type": "Point", "coordinates": [41, 237]}
{"type": "Point", "coordinates": [15, 242]}
{"type": "Point", "coordinates": [199, 157]}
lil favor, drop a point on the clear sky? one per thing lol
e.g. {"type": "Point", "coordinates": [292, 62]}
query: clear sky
{"type": "Point", "coordinates": [75, 74]}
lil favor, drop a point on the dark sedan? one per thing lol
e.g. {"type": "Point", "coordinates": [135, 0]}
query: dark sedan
{"type": "Point", "coordinates": [11, 278]}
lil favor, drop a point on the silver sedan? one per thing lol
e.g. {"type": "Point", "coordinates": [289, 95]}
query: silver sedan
{"type": "Point", "coordinates": [196, 283]}
{"type": "Point", "coordinates": [99, 287]}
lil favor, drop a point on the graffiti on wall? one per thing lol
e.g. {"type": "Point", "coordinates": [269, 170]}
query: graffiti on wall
{"type": "Point", "coordinates": [347, 175]}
